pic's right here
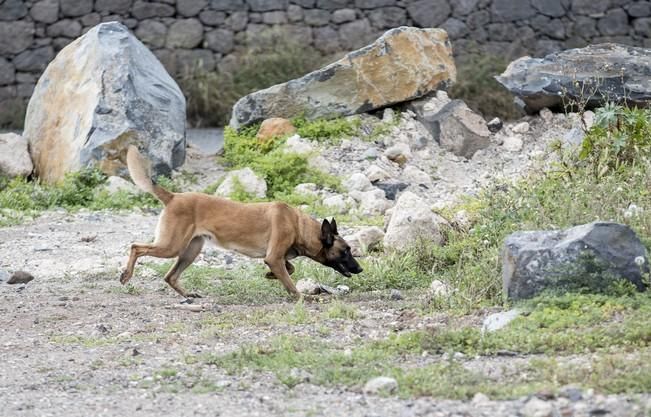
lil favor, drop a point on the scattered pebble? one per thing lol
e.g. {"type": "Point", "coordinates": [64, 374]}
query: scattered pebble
{"type": "Point", "coordinates": [381, 384]}
{"type": "Point", "coordinates": [20, 277]}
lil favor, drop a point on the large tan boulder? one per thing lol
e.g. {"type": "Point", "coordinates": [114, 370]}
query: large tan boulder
{"type": "Point", "coordinates": [403, 64]}
{"type": "Point", "coordinates": [102, 92]}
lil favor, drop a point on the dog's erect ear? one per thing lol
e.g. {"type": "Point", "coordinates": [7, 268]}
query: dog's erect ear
{"type": "Point", "coordinates": [327, 237]}
{"type": "Point", "coordinates": [333, 224]}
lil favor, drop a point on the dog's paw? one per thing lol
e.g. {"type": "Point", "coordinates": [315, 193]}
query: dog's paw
{"type": "Point", "coordinates": [270, 275]}
{"type": "Point", "coordinates": [193, 295]}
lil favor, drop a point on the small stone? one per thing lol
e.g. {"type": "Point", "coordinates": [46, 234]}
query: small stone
{"type": "Point", "coordinates": [20, 277]}
{"type": "Point", "coordinates": [522, 127]}
{"type": "Point", "coordinates": [275, 127]}
{"type": "Point", "coordinates": [135, 352]}
{"type": "Point", "coordinates": [439, 289]}
{"type": "Point", "coordinates": [546, 115]}
{"type": "Point", "coordinates": [495, 125]}
{"type": "Point", "coordinates": [300, 375]}
{"type": "Point", "coordinates": [375, 173]}
{"type": "Point", "coordinates": [246, 179]}
{"type": "Point", "coordinates": [513, 143]}
{"type": "Point", "coordinates": [388, 115]}
{"type": "Point", "coordinates": [573, 394]}
{"type": "Point", "coordinates": [337, 203]}
{"type": "Point", "coordinates": [358, 182]}
{"type": "Point", "coordinates": [536, 407]}
{"type": "Point", "coordinates": [480, 398]}
{"type": "Point", "coordinates": [307, 188]}
{"type": "Point", "coordinates": [370, 153]}
{"type": "Point", "coordinates": [381, 384]}
{"type": "Point", "coordinates": [500, 320]}
{"type": "Point", "coordinates": [308, 286]}
{"type": "Point", "coordinates": [296, 144]}
{"type": "Point", "coordinates": [4, 275]}
{"type": "Point", "coordinates": [391, 189]}
{"type": "Point", "coordinates": [102, 329]}
{"type": "Point", "coordinates": [342, 289]}
{"type": "Point", "coordinates": [395, 295]}
{"type": "Point", "coordinates": [399, 153]}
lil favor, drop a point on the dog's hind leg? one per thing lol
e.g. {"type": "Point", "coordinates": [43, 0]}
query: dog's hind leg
{"type": "Point", "coordinates": [165, 247]}
{"type": "Point", "coordinates": [185, 259]}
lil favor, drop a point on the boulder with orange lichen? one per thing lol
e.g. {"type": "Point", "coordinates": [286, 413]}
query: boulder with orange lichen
{"type": "Point", "coordinates": [101, 93]}
{"type": "Point", "coordinates": [403, 64]}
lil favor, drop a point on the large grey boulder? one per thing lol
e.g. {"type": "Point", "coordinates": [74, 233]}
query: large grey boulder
{"type": "Point", "coordinates": [591, 256]}
{"type": "Point", "coordinates": [102, 92]}
{"type": "Point", "coordinates": [412, 223]}
{"type": "Point", "coordinates": [403, 64]}
{"type": "Point", "coordinates": [594, 74]}
{"type": "Point", "coordinates": [14, 156]}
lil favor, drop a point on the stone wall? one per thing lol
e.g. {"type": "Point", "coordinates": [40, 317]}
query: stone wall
{"type": "Point", "coordinates": [184, 32]}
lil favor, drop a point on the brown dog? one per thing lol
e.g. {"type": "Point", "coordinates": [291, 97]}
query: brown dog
{"type": "Point", "coordinates": [273, 231]}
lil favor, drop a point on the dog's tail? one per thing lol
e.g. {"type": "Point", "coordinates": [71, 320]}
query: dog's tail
{"type": "Point", "coordinates": [140, 176]}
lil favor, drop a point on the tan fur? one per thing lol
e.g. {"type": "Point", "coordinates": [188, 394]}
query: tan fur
{"type": "Point", "coordinates": [273, 231]}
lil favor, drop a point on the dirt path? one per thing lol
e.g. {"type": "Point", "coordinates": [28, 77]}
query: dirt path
{"type": "Point", "coordinates": [76, 343]}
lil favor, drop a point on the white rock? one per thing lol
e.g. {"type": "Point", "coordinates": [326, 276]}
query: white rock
{"type": "Point", "coordinates": [513, 143]}
{"type": "Point", "coordinates": [115, 184]}
{"type": "Point", "coordinates": [480, 398]}
{"type": "Point", "coordinates": [496, 321]}
{"type": "Point", "coordinates": [574, 136]}
{"type": "Point", "coordinates": [372, 202]}
{"type": "Point", "coordinates": [337, 203]}
{"type": "Point", "coordinates": [546, 115]}
{"type": "Point", "coordinates": [388, 115]}
{"type": "Point", "coordinates": [522, 127]}
{"type": "Point", "coordinates": [398, 151]}
{"type": "Point", "coordinates": [412, 220]}
{"type": "Point", "coordinates": [413, 175]}
{"type": "Point", "coordinates": [588, 119]}
{"type": "Point", "coordinates": [296, 144]}
{"type": "Point", "coordinates": [365, 239]}
{"type": "Point", "coordinates": [439, 289]}
{"type": "Point", "coordinates": [14, 156]}
{"type": "Point", "coordinates": [375, 173]}
{"type": "Point", "coordinates": [536, 407]}
{"type": "Point", "coordinates": [370, 153]}
{"type": "Point", "coordinates": [308, 286]}
{"type": "Point", "coordinates": [461, 220]}
{"type": "Point", "coordinates": [247, 179]}
{"type": "Point", "coordinates": [381, 384]}
{"type": "Point", "coordinates": [307, 188]}
{"type": "Point", "coordinates": [358, 182]}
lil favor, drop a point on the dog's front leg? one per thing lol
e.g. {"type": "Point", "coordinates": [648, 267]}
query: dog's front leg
{"type": "Point", "coordinates": [288, 266]}
{"type": "Point", "coordinates": [279, 270]}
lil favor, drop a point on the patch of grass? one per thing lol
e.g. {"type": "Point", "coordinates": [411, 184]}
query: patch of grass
{"type": "Point", "coordinates": [567, 324]}
{"type": "Point", "coordinates": [211, 95]}
{"type": "Point", "coordinates": [328, 130]}
{"type": "Point", "coordinates": [20, 197]}
{"type": "Point", "coordinates": [245, 284]}
{"type": "Point", "coordinates": [282, 171]}
{"type": "Point", "coordinates": [480, 91]}
{"type": "Point", "coordinates": [340, 310]}
{"type": "Point", "coordinates": [611, 326]}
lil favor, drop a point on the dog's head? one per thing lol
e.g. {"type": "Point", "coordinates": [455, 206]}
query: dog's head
{"type": "Point", "coordinates": [336, 252]}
